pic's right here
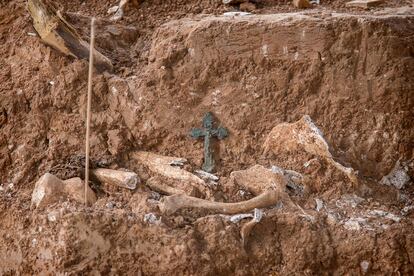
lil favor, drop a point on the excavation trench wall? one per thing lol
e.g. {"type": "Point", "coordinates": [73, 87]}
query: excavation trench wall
{"type": "Point", "coordinates": [352, 75]}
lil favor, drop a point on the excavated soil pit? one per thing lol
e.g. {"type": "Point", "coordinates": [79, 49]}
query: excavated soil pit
{"type": "Point", "coordinates": [350, 72]}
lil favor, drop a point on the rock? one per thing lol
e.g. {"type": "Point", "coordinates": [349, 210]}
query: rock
{"type": "Point", "coordinates": [364, 3]}
{"type": "Point", "coordinates": [75, 189]}
{"type": "Point", "coordinates": [49, 189]}
{"type": "Point", "coordinates": [319, 204]}
{"type": "Point", "coordinates": [247, 7]}
{"type": "Point", "coordinates": [257, 179]}
{"type": "Point", "coordinates": [302, 136]}
{"type": "Point", "coordinates": [349, 200]}
{"type": "Point", "coordinates": [364, 266]}
{"type": "Point", "coordinates": [398, 177]}
{"type": "Point", "coordinates": [151, 218]}
{"type": "Point", "coordinates": [301, 4]}
{"type": "Point", "coordinates": [354, 224]}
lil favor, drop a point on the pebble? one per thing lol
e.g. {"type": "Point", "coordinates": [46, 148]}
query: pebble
{"type": "Point", "coordinates": [319, 204]}
{"type": "Point", "coordinates": [364, 266]}
{"type": "Point", "coordinates": [354, 224]}
{"type": "Point", "coordinates": [150, 218]}
{"type": "Point", "coordinates": [110, 205]}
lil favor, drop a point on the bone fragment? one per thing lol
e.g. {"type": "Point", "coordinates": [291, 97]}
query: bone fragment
{"type": "Point", "coordinates": [172, 204]}
{"type": "Point", "coordinates": [248, 227]}
{"type": "Point", "coordinates": [55, 31]}
{"type": "Point", "coordinates": [155, 185]}
{"type": "Point", "coordinates": [122, 179]}
{"type": "Point", "coordinates": [162, 165]}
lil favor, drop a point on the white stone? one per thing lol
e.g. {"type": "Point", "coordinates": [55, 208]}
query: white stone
{"type": "Point", "coordinates": [319, 204]}
{"type": "Point", "coordinates": [364, 266]}
{"type": "Point", "coordinates": [150, 218]}
{"type": "Point", "coordinates": [398, 177]}
{"type": "Point", "coordinates": [354, 224]}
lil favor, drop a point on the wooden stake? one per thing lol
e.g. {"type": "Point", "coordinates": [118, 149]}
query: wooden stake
{"type": "Point", "coordinates": [88, 107]}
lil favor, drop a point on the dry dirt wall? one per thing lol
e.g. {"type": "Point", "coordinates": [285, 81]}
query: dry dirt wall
{"type": "Point", "coordinates": [351, 74]}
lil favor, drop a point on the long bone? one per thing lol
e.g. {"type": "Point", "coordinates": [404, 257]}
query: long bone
{"type": "Point", "coordinates": [173, 203]}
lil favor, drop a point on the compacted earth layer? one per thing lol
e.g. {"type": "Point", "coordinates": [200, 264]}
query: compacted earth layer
{"type": "Point", "coordinates": [345, 73]}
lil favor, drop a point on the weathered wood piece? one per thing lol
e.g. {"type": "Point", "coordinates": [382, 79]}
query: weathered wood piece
{"type": "Point", "coordinates": [55, 31]}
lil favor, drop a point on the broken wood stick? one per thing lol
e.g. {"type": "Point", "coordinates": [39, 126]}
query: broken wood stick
{"type": "Point", "coordinates": [122, 179]}
{"type": "Point", "coordinates": [55, 31]}
{"type": "Point", "coordinates": [172, 204]}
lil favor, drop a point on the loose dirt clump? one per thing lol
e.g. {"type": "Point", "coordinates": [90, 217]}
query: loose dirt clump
{"type": "Point", "coordinates": [322, 97]}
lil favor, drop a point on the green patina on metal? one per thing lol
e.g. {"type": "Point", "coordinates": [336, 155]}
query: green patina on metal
{"type": "Point", "coordinates": [208, 131]}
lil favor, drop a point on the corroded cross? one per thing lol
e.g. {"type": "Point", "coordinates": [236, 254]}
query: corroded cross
{"type": "Point", "coordinates": [207, 132]}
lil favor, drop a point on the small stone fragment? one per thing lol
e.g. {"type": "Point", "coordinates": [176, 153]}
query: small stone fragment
{"type": "Point", "coordinates": [150, 218]}
{"type": "Point", "coordinates": [398, 177]}
{"type": "Point", "coordinates": [364, 3]}
{"type": "Point", "coordinates": [302, 4]}
{"type": "Point", "coordinates": [354, 224]}
{"type": "Point", "coordinates": [319, 204]}
{"type": "Point", "coordinates": [364, 266]}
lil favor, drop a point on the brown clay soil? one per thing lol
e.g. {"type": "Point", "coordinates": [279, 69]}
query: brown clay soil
{"type": "Point", "coordinates": [350, 70]}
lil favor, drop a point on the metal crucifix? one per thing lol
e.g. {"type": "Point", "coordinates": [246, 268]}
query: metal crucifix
{"type": "Point", "coordinates": [208, 131]}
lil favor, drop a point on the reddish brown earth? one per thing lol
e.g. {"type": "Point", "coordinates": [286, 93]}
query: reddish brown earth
{"type": "Point", "coordinates": [351, 71]}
